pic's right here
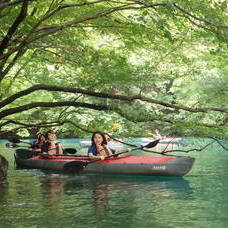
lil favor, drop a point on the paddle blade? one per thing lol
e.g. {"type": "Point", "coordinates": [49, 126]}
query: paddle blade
{"type": "Point", "coordinates": [11, 145]}
{"type": "Point", "coordinates": [14, 140]}
{"type": "Point", "coordinates": [152, 144]}
{"type": "Point", "coordinates": [74, 166]}
{"type": "Point", "coordinates": [69, 151]}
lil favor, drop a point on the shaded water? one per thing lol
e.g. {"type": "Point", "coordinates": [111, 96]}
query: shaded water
{"type": "Point", "coordinates": [33, 198]}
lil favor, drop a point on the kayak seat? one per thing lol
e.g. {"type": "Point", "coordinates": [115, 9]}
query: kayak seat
{"type": "Point", "coordinates": [69, 151]}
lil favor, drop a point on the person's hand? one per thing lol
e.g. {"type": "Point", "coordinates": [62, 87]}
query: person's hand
{"type": "Point", "coordinates": [102, 157]}
{"type": "Point", "coordinates": [99, 147]}
{"type": "Point", "coordinates": [52, 142]}
{"type": "Point", "coordinates": [44, 155]}
{"type": "Point", "coordinates": [104, 146]}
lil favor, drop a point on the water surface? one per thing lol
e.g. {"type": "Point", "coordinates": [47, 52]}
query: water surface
{"type": "Point", "coordinates": [33, 198]}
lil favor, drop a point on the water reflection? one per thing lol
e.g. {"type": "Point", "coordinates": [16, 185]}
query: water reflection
{"type": "Point", "coordinates": [100, 198]}
{"type": "Point", "coordinates": [53, 186]}
{"type": "Point", "coordinates": [103, 185]}
{"type": "Point", "coordinates": [36, 199]}
{"type": "Point", "coordinates": [104, 191]}
{"type": "Point", "coordinates": [177, 184]}
{"type": "Point", "coordinates": [3, 191]}
{"type": "Point", "coordinates": [132, 192]}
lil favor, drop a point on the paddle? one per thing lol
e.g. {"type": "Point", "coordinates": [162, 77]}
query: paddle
{"type": "Point", "coordinates": [16, 140]}
{"type": "Point", "coordinates": [69, 151]}
{"type": "Point", "coordinates": [77, 166]}
{"type": "Point", "coordinates": [11, 145]}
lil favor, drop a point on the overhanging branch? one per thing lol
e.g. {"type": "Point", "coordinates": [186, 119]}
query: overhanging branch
{"type": "Point", "coordinates": [22, 108]}
{"type": "Point", "coordinates": [105, 95]}
{"type": "Point", "coordinates": [21, 16]}
{"type": "Point", "coordinates": [219, 26]}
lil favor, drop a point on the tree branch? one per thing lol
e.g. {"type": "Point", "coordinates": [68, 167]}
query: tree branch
{"type": "Point", "coordinates": [201, 19]}
{"type": "Point", "coordinates": [69, 24]}
{"type": "Point", "coordinates": [5, 4]}
{"type": "Point", "coordinates": [194, 23]}
{"type": "Point", "coordinates": [26, 126]}
{"type": "Point", "coordinates": [21, 16]}
{"type": "Point", "coordinates": [185, 151]}
{"type": "Point", "coordinates": [42, 124]}
{"type": "Point", "coordinates": [22, 108]}
{"type": "Point", "coordinates": [12, 63]}
{"type": "Point", "coordinates": [65, 6]}
{"type": "Point", "coordinates": [19, 71]}
{"type": "Point", "coordinates": [34, 34]}
{"type": "Point", "coordinates": [109, 96]}
{"type": "Point", "coordinates": [225, 148]}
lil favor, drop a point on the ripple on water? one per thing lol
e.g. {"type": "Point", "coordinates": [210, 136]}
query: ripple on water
{"type": "Point", "coordinates": [32, 198]}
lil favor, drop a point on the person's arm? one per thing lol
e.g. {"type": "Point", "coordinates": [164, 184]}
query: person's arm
{"type": "Point", "coordinates": [37, 149]}
{"type": "Point", "coordinates": [95, 157]}
{"type": "Point", "coordinates": [33, 145]}
{"type": "Point", "coordinates": [122, 150]}
{"type": "Point", "coordinates": [92, 151]}
{"type": "Point", "coordinates": [60, 149]}
{"type": "Point", "coordinates": [109, 151]}
{"type": "Point", "coordinates": [44, 148]}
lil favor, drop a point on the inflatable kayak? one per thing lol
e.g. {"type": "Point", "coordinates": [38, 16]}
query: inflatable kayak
{"type": "Point", "coordinates": [128, 164]}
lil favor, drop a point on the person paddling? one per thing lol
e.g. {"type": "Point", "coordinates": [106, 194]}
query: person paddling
{"type": "Point", "coordinates": [99, 148]}
{"type": "Point", "coordinates": [37, 145]}
{"type": "Point", "coordinates": [51, 146]}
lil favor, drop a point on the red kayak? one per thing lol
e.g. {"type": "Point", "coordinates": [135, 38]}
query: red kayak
{"type": "Point", "coordinates": [133, 165]}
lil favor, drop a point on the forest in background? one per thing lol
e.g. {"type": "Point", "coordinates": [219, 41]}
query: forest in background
{"type": "Point", "coordinates": [125, 67]}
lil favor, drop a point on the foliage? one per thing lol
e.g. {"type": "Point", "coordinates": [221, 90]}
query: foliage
{"type": "Point", "coordinates": [174, 51]}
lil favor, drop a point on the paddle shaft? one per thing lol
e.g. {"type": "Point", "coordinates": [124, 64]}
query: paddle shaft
{"type": "Point", "coordinates": [136, 147]}
{"type": "Point", "coordinates": [25, 142]}
{"type": "Point", "coordinates": [77, 166]}
{"type": "Point", "coordinates": [126, 151]}
{"type": "Point", "coordinates": [149, 145]}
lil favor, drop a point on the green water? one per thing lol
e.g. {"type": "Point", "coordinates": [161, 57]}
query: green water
{"type": "Point", "coordinates": [33, 198]}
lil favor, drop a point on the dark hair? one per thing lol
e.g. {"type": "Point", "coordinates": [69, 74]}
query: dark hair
{"type": "Point", "coordinates": [109, 137]}
{"type": "Point", "coordinates": [104, 142]}
{"type": "Point", "coordinates": [48, 132]}
{"type": "Point", "coordinates": [39, 137]}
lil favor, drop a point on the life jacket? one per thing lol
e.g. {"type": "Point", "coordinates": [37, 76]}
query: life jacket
{"type": "Point", "coordinates": [102, 152]}
{"type": "Point", "coordinates": [45, 147]}
{"type": "Point", "coordinates": [37, 144]}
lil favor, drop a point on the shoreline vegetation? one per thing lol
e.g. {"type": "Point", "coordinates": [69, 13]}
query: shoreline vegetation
{"type": "Point", "coordinates": [124, 68]}
{"type": "Point", "coordinates": [127, 68]}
